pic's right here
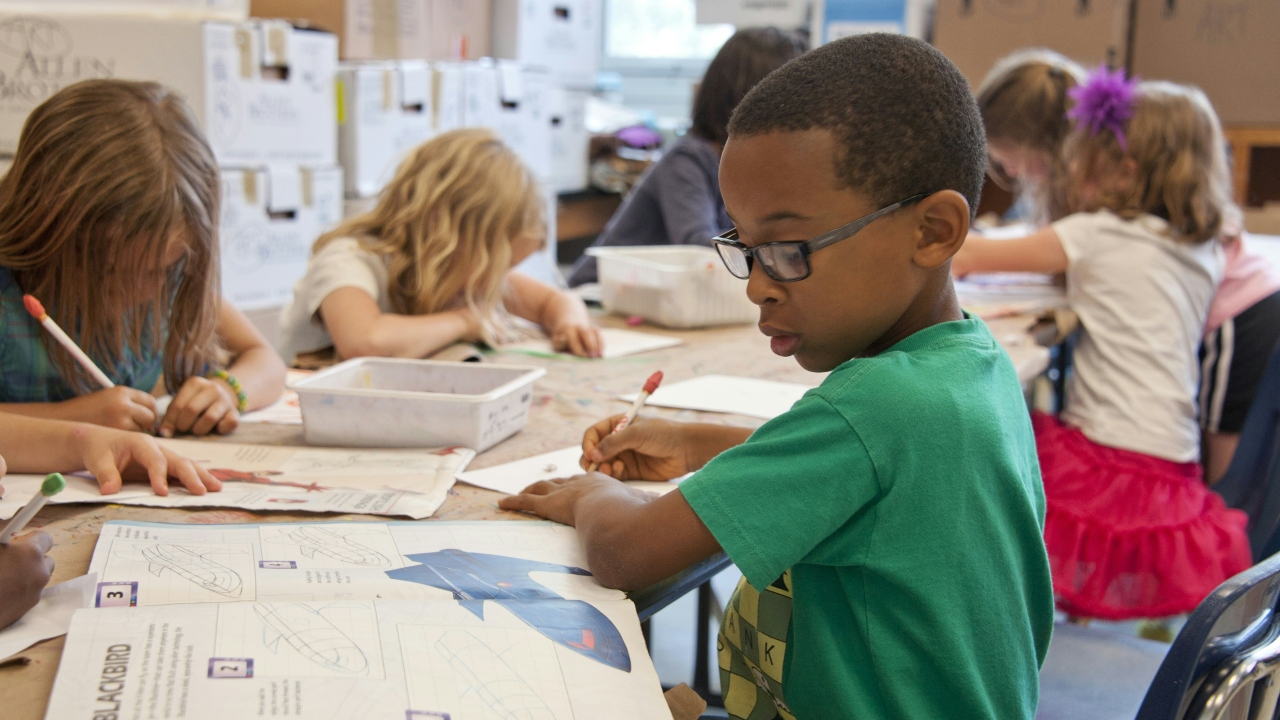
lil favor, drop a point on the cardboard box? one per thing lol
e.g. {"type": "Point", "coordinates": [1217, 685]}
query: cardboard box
{"type": "Point", "coordinates": [232, 10]}
{"type": "Point", "coordinates": [524, 122]}
{"type": "Point", "coordinates": [385, 111]}
{"type": "Point", "coordinates": [480, 94]}
{"type": "Point", "coordinates": [562, 36]}
{"type": "Point", "coordinates": [835, 19]}
{"type": "Point", "coordinates": [393, 29]}
{"type": "Point", "coordinates": [263, 91]}
{"type": "Point", "coordinates": [1229, 49]}
{"type": "Point", "coordinates": [975, 34]}
{"type": "Point", "coordinates": [448, 95]}
{"type": "Point", "coordinates": [566, 114]}
{"type": "Point", "coordinates": [271, 216]}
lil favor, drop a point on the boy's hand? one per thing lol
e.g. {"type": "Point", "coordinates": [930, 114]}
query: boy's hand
{"type": "Point", "coordinates": [581, 339]}
{"type": "Point", "coordinates": [647, 449]}
{"type": "Point", "coordinates": [114, 456]}
{"type": "Point", "coordinates": [119, 407]}
{"type": "Point", "coordinates": [202, 405]}
{"type": "Point", "coordinates": [24, 571]}
{"type": "Point", "coordinates": [555, 499]}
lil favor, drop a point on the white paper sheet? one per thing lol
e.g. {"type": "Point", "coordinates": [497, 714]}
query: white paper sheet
{"type": "Point", "coordinates": [617, 343]}
{"type": "Point", "coordinates": [51, 616]}
{"type": "Point", "coordinates": [403, 621]}
{"type": "Point", "coordinates": [513, 477]}
{"type": "Point", "coordinates": [409, 483]}
{"type": "Point", "coordinates": [721, 393]}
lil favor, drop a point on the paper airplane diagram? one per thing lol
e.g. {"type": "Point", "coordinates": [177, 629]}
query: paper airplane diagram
{"type": "Point", "coordinates": [476, 577]}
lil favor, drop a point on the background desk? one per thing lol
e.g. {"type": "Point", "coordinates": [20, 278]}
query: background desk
{"type": "Point", "coordinates": [573, 394]}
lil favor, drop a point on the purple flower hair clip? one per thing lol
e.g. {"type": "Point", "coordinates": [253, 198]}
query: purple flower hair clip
{"type": "Point", "coordinates": [1105, 102]}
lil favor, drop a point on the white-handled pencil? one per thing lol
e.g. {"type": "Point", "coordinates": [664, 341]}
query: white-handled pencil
{"type": "Point", "coordinates": [649, 386]}
{"type": "Point", "coordinates": [52, 485]}
{"type": "Point", "coordinates": [37, 311]}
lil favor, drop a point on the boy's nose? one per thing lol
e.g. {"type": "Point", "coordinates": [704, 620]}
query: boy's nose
{"type": "Point", "coordinates": [763, 289]}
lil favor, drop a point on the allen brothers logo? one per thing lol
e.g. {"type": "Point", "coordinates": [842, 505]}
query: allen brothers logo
{"type": "Point", "coordinates": [45, 63]}
{"type": "Point", "coordinates": [111, 687]}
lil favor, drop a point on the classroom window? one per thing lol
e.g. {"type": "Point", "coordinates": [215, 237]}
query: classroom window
{"type": "Point", "coordinates": [660, 29]}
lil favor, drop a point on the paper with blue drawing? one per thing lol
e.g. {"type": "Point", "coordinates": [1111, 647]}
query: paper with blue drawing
{"type": "Point", "coordinates": [411, 621]}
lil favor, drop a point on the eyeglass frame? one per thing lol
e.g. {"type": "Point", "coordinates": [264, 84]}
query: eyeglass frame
{"type": "Point", "coordinates": [807, 247]}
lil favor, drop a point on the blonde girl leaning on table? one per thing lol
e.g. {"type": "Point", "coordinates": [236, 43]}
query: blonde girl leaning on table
{"type": "Point", "coordinates": [109, 217]}
{"type": "Point", "coordinates": [1131, 529]}
{"type": "Point", "coordinates": [432, 263]}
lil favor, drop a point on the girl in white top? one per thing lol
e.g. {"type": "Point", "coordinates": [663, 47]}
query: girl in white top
{"type": "Point", "coordinates": [1131, 529]}
{"type": "Point", "coordinates": [430, 265]}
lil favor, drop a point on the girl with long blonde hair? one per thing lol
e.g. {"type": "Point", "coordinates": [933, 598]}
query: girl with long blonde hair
{"type": "Point", "coordinates": [1131, 529]}
{"type": "Point", "coordinates": [431, 264]}
{"type": "Point", "coordinates": [109, 217]}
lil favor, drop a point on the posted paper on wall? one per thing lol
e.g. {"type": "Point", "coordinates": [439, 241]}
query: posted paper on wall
{"type": "Point", "coordinates": [404, 621]}
{"type": "Point", "coordinates": [408, 483]}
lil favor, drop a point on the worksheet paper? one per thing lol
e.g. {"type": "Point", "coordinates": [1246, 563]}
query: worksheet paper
{"type": "Point", "coordinates": [408, 483]}
{"type": "Point", "coordinates": [402, 621]}
{"type": "Point", "coordinates": [617, 343]}
{"type": "Point", "coordinates": [51, 616]}
{"type": "Point", "coordinates": [721, 393]}
{"type": "Point", "coordinates": [513, 477]}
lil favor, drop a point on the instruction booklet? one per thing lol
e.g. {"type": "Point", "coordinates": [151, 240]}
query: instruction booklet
{"type": "Point", "coordinates": [403, 621]}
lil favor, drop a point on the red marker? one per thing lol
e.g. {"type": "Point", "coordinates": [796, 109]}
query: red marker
{"type": "Point", "coordinates": [649, 386]}
{"type": "Point", "coordinates": [37, 311]}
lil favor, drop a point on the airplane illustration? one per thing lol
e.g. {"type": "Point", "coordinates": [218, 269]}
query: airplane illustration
{"type": "Point", "coordinates": [476, 577]}
{"type": "Point", "coordinates": [312, 540]}
{"type": "Point", "coordinates": [193, 567]}
{"type": "Point", "coordinates": [311, 634]}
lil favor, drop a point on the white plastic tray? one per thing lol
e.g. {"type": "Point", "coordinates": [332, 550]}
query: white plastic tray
{"type": "Point", "coordinates": [386, 402]}
{"type": "Point", "coordinates": [677, 286]}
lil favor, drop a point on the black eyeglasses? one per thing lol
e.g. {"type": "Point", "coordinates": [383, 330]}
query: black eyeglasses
{"type": "Point", "coordinates": [789, 261]}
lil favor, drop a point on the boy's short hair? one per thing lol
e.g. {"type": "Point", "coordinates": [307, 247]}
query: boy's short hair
{"type": "Point", "coordinates": [900, 111]}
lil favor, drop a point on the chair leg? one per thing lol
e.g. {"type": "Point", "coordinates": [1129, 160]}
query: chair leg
{"type": "Point", "coordinates": [701, 675]}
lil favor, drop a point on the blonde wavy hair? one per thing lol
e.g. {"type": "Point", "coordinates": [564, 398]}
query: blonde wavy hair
{"type": "Point", "coordinates": [1179, 161]}
{"type": "Point", "coordinates": [446, 223]}
{"type": "Point", "coordinates": [109, 173]}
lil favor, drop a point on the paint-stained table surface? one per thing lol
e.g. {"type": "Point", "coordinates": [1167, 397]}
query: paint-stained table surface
{"type": "Point", "coordinates": [573, 394]}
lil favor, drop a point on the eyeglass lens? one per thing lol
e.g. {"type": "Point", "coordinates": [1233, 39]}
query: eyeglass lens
{"type": "Point", "coordinates": [781, 262]}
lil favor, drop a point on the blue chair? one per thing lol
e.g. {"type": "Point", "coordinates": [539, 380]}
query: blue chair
{"type": "Point", "coordinates": [1252, 482]}
{"type": "Point", "coordinates": [1226, 660]}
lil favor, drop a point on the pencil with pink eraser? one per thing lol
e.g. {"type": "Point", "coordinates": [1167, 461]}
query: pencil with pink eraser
{"type": "Point", "coordinates": [649, 386]}
{"type": "Point", "coordinates": [37, 311]}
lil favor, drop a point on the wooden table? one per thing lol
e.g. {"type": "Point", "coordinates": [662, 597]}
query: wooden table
{"type": "Point", "coordinates": [573, 394]}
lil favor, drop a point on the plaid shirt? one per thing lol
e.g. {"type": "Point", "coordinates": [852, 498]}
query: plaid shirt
{"type": "Point", "coordinates": [26, 372]}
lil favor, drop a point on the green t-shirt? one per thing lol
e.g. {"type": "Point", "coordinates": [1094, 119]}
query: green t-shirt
{"type": "Point", "coordinates": [898, 506]}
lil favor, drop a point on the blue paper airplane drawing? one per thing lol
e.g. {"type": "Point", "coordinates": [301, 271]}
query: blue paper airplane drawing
{"type": "Point", "coordinates": [476, 577]}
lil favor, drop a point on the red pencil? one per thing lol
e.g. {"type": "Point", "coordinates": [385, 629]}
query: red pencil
{"type": "Point", "coordinates": [37, 311]}
{"type": "Point", "coordinates": [649, 386]}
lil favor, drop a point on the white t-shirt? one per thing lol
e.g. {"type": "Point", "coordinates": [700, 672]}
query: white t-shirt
{"type": "Point", "coordinates": [1142, 298]}
{"type": "Point", "coordinates": [340, 263]}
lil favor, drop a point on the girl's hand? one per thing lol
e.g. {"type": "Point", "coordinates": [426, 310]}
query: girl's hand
{"type": "Point", "coordinates": [119, 407]}
{"type": "Point", "coordinates": [647, 449]}
{"type": "Point", "coordinates": [962, 263]}
{"type": "Point", "coordinates": [471, 329]}
{"type": "Point", "coordinates": [580, 338]}
{"type": "Point", "coordinates": [24, 571]}
{"type": "Point", "coordinates": [201, 406]}
{"type": "Point", "coordinates": [114, 456]}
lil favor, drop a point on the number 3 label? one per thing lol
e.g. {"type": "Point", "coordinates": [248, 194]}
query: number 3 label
{"type": "Point", "coordinates": [117, 594]}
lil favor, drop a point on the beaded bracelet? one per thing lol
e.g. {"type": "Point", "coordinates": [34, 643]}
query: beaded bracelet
{"type": "Point", "coordinates": [242, 398]}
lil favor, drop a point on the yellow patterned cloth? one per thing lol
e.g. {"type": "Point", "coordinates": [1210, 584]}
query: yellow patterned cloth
{"type": "Point", "coordinates": [752, 647]}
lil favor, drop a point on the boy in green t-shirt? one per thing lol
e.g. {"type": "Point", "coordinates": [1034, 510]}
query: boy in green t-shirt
{"type": "Point", "coordinates": [888, 526]}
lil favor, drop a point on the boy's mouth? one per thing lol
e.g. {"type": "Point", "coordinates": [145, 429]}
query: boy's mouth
{"type": "Point", "coordinates": [780, 342]}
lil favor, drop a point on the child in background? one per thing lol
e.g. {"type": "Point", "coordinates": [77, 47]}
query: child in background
{"type": "Point", "coordinates": [888, 526]}
{"type": "Point", "coordinates": [430, 265]}
{"type": "Point", "coordinates": [677, 201]}
{"type": "Point", "coordinates": [1024, 102]}
{"type": "Point", "coordinates": [109, 217]}
{"type": "Point", "coordinates": [1131, 529]}
{"type": "Point", "coordinates": [29, 445]}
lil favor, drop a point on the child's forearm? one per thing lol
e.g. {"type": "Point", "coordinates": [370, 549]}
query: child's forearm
{"type": "Point", "coordinates": [405, 336]}
{"type": "Point", "coordinates": [707, 441]}
{"type": "Point", "coordinates": [261, 374]}
{"type": "Point", "coordinates": [32, 445]}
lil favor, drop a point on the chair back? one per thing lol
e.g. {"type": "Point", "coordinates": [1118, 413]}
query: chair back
{"type": "Point", "coordinates": [1252, 482]}
{"type": "Point", "coordinates": [1225, 663]}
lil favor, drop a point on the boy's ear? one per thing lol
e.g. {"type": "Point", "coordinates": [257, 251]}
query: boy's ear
{"type": "Point", "coordinates": [944, 224]}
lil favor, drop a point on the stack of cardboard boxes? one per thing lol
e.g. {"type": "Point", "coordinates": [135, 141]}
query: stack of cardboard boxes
{"type": "Point", "coordinates": [263, 92]}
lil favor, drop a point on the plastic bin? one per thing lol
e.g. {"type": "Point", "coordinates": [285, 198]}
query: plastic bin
{"type": "Point", "coordinates": [385, 402]}
{"type": "Point", "coordinates": [678, 286]}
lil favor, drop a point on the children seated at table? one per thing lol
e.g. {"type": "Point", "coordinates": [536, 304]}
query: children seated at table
{"type": "Point", "coordinates": [889, 525]}
{"type": "Point", "coordinates": [109, 218]}
{"type": "Point", "coordinates": [432, 263]}
{"type": "Point", "coordinates": [1131, 529]}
